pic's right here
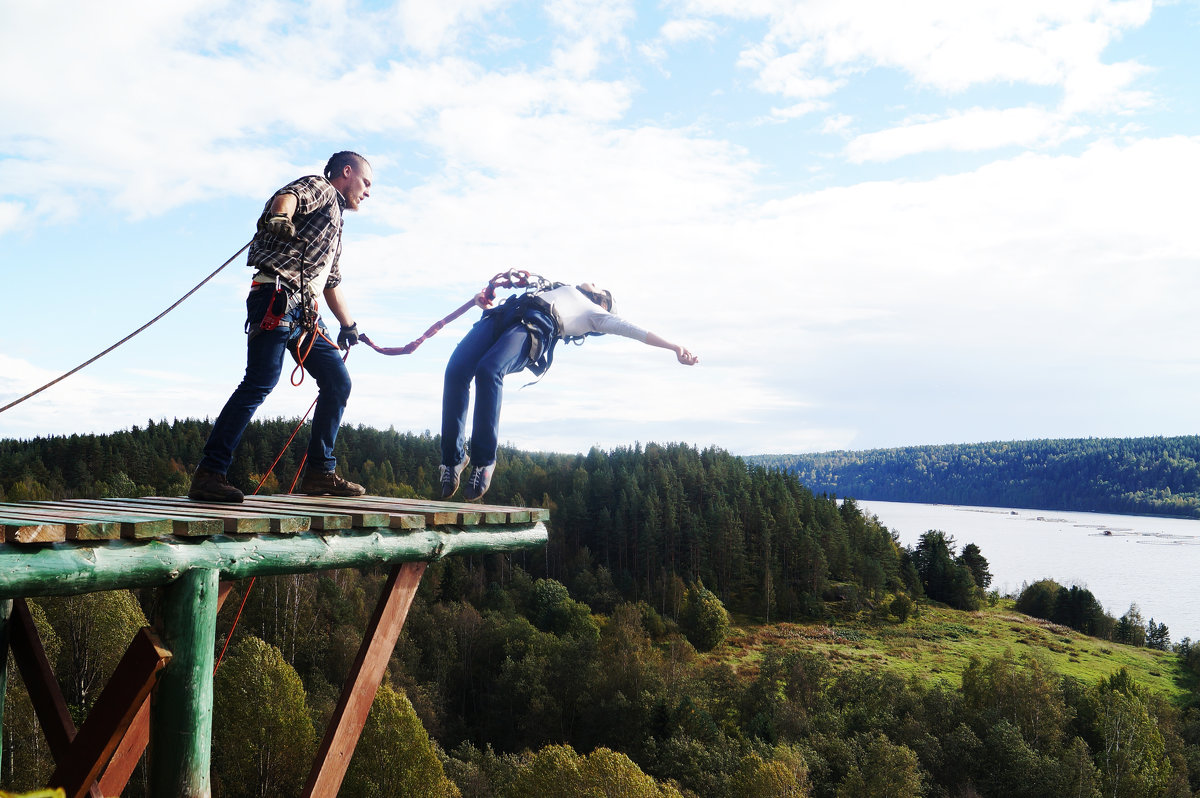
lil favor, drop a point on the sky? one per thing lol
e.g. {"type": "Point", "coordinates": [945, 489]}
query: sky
{"type": "Point", "coordinates": [878, 224]}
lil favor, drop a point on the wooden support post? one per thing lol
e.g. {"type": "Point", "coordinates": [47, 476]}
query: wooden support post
{"type": "Point", "coordinates": [5, 613]}
{"type": "Point", "coordinates": [111, 715]}
{"type": "Point", "coordinates": [133, 744]}
{"type": "Point", "coordinates": [358, 693]}
{"type": "Point", "coordinates": [181, 713]}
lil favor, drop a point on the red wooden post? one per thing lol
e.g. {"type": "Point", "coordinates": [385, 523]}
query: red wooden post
{"type": "Point", "coordinates": [129, 752]}
{"type": "Point", "coordinates": [47, 699]}
{"type": "Point", "coordinates": [39, 680]}
{"type": "Point", "coordinates": [111, 715]}
{"type": "Point", "coordinates": [358, 693]}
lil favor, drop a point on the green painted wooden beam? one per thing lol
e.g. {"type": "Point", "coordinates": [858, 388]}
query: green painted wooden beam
{"type": "Point", "coordinates": [181, 713]}
{"type": "Point", "coordinates": [6, 607]}
{"type": "Point", "coordinates": [61, 569]}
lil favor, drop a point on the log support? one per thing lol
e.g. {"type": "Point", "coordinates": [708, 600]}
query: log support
{"type": "Point", "coordinates": [6, 607]}
{"type": "Point", "coordinates": [182, 710]}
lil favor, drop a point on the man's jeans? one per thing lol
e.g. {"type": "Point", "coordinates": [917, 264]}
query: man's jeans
{"type": "Point", "coordinates": [264, 363]}
{"type": "Point", "coordinates": [486, 354]}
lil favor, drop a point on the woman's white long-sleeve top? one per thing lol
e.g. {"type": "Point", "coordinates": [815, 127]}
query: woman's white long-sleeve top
{"type": "Point", "coordinates": [577, 315]}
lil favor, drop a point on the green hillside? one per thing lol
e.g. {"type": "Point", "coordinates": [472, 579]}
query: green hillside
{"type": "Point", "coordinates": [1153, 476]}
{"type": "Point", "coordinates": [939, 643]}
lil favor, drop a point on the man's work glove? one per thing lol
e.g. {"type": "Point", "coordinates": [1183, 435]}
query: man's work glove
{"type": "Point", "coordinates": [348, 336]}
{"type": "Point", "coordinates": [279, 224]}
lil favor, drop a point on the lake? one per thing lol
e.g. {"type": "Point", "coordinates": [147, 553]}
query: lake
{"type": "Point", "coordinates": [1122, 559]}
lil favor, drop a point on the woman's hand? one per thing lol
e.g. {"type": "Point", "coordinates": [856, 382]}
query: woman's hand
{"type": "Point", "coordinates": [685, 357]}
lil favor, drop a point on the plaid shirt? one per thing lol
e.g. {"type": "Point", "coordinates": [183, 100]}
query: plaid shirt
{"type": "Point", "coordinates": [318, 243]}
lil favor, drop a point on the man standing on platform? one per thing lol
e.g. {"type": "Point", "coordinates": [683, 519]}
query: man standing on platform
{"type": "Point", "coordinates": [295, 256]}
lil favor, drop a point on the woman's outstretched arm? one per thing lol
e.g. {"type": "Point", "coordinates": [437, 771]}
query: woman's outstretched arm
{"type": "Point", "coordinates": [685, 357]}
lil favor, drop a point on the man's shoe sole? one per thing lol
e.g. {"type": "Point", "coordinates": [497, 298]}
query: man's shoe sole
{"type": "Point", "coordinates": [200, 496]}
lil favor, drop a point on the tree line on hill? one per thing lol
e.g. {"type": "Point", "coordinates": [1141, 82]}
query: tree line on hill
{"type": "Point", "coordinates": [1140, 476]}
{"type": "Point", "coordinates": [603, 660]}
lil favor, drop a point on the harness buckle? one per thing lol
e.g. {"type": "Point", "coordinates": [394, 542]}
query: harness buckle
{"type": "Point", "coordinates": [277, 309]}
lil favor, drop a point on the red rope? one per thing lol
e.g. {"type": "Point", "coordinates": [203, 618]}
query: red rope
{"type": "Point", "coordinates": [236, 618]}
{"type": "Point", "coordinates": [258, 487]}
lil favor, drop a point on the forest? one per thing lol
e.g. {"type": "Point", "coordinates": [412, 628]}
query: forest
{"type": "Point", "coordinates": [1137, 476]}
{"type": "Point", "coordinates": [606, 664]}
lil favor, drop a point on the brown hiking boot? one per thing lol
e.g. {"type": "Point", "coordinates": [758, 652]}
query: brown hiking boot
{"type": "Point", "coordinates": [317, 483]}
{"type": "Point", "coordinates": [209, 486]}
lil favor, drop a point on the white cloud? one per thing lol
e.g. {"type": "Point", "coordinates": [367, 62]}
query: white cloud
{"type": "Point", "coordinates": [837, 123]}
{"type": "Point", "coordinates": [791, 74]}
{"type": "Point", "coordinates": [11, 214]}
{"type": "Point", "coordinates": [588, 29]}
{"type": "Point", "coordinates": [947, 45]}
{"type": "Point", "coordinates": [798, 109]}
{"type": "Point", "coordinates": [813, 49]}
{"type": "Point", "coordinates": [603, 20]}
{"type": "Point", "coordinates": [431, 27]}
{"type": "Point", "coordinates": [97, 400]}
{"type": "Point", "coordinates": [1104, 88]}
{"type": "Point", "coordinates": [301, 81]}
{"type": "Point", "coordinates": [688, 29]}
{"type": "Point", "coordinates": [974, 130]}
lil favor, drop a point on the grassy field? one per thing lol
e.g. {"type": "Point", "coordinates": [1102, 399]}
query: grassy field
{"type": "Point", "coordinates": [938, 644]}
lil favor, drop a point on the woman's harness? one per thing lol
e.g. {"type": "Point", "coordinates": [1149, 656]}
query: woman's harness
{"type": "Point", "coordinates": [535, 314]}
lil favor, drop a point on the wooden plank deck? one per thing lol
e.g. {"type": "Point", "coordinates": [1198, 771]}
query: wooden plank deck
{"type": "Point", "coordinates": [281, 514]}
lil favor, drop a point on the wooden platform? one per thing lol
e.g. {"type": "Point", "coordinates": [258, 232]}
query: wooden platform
{"type": "Point", "coordinates": [191, 552]}
{"type": "Point", "coordinates": [285, 514]}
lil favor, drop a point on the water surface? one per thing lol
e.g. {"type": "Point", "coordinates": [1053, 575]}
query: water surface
{"type": "Point", "coordinates": [1122, 559]}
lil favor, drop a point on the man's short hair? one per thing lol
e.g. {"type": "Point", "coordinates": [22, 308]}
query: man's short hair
{"type": "Point", "coordinates": [340, 160]}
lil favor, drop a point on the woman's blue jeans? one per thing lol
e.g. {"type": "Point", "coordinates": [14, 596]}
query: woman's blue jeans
{"type": "Point", "coordinates": [264, 363]}
{"type": "Point", "coordinates": [491, 350]}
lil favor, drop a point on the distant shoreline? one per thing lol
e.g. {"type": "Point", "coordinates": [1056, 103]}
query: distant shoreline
{"type": "Point", "coordinates": [1156, 477]}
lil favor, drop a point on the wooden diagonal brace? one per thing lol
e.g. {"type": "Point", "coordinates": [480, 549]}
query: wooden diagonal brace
{"type": "Point", "coordinates": [358, 693]}
{"type": "Point", "coordinates": [112, 714]}
{"type": "Point", "coordinates": [44, 693]}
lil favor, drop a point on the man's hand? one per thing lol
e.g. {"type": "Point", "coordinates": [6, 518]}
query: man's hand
{"type": "Point", "coordinates": [348, 336]}
{"type": "Point", "coordinates": [685, 357]}
{"type": "Point", "coordinates": [279, 224]}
